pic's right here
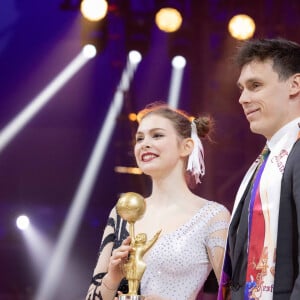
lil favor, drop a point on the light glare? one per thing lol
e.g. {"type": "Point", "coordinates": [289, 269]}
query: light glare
{"type": "Point", "coordinates": [241, 27]}
{"type": "Point", "coordinates": [178, 62]}
{"type": "Point", "coordinates": [94, 10]}
{"type": "Point", "coordinates": [23, 222]}
{"type": "Point", "coordinates": [168, 19]}
{"type": "Point", "coordinates": [89, 51]}
{"type": "Point", "coordinates": [128, 170]}
{"type": "Point", "coordinates": [178, 66]}
{"type": "Point", "coordinates": [132, 117]}
{"type": "Point", "coordinates": [135, 57]}
{"type": "Point", "coordinates": [39, 248]}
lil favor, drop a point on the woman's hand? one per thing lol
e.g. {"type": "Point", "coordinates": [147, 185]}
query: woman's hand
{"type": "Point", "coordinates": [119, 294]}
{"type": "Point", "coordinates": [118, 258]}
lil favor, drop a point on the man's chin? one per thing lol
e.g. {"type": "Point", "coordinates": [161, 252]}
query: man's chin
{"type": "Point", "coordinates": [255, 129]}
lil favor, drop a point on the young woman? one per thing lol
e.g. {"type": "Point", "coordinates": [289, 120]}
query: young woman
{"type": "Point", "coordinates": [193, 229]}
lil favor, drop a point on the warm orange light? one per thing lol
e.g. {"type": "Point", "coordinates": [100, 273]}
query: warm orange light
{"type": "Point", "coordinates": [132, 117]}
{"type": "Point", "coordinates": [168, 19]}
{"type": "Point", "coordinates": [241, 27]}
{"type": "Point", "coordinates": [128, 170]}
{"type": "Point", "coordinates": [94, 10]}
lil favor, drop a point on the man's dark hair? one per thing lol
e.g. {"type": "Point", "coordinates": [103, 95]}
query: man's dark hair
{"type": "Point", "coordinates": [285, 55]}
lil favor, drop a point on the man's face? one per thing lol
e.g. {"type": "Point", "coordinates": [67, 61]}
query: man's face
{"type": "Point", "coordinates": [264, 98]}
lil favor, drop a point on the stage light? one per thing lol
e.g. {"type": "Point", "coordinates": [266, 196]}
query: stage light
{"type": "Point", "coordinates": [178, 62]}
{"type": "Point", "coordinates": [21, 120]}
{"type": "Point", "coordinates": [241, 27]}
{"type": "Point", "coordinates": [178, 65]}
{"type": "Point", "coordinates": [168, 19]}
{"type": "Point", "coordinates": [94, 10]}
{"type": "Point", "coordinates": [23, 222]}
{"type": "Point", "coordinates": [89, 51]}
{"type": "Point", "coordinates": [132, 117]}
{"type": "Point", "coordinates": [128, 170]}
{"type": "Point", "coordinates": [39, 248]}
{"type": "Point", "coordinates": [135, 57]}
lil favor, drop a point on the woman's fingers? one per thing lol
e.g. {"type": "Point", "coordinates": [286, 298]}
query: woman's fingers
{"type": "Point", "coordinates": [121, 252]}
{"type": "Point", "coordinates": [119, 293]}
{"type": "Point", "coordinates": [127, 241]}
{"type": "Point", "coordinates": [120, 255]}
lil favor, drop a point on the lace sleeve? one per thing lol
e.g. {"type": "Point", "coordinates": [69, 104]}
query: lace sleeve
{"type": "Point", "coordinates": [114, 233]}
{"type": "Point", "coordinates": [216, 237]}
{"type": "Point", "coordinates": [217, 230]}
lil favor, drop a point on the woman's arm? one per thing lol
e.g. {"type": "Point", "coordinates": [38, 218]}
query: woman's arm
{"type": "Point", "coordinates": [108, 271]}
{"type": "Point", "coordinates": [216, 240]}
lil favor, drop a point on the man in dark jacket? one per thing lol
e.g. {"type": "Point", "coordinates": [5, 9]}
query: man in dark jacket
{"type": "Point", "coordinates": [263, 245]}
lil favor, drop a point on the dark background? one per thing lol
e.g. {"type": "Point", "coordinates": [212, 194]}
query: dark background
{"type": "Point", "coordinates": [41, 168]}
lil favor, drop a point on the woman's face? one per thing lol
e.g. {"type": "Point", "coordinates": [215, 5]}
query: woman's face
{"type": "Point", "coordinates": [157, 148]}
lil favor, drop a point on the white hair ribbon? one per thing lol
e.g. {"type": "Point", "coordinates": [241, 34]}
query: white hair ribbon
{"type": "Point", "coordinates": [196, 158]}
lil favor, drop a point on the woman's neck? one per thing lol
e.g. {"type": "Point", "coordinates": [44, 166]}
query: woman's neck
{"type": "Point", "coordinates": [169, 189]}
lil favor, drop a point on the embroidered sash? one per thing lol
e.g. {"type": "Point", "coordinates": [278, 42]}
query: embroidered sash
{"type": "Point", "coordinates": [257, 253]}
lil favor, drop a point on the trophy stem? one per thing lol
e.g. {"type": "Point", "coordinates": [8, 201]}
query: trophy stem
{"type": "Point", "coordinates": [131, 231]}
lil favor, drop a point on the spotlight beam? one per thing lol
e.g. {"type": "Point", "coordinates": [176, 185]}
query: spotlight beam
{"type": "Point", "coordinates": [21, 120]}
{"type": "Point", "coordinates": [38, 246]}
{"type": "Point", "coordinates": [175, 84]}
{"type": "Point", "coordinates": [67, 235]}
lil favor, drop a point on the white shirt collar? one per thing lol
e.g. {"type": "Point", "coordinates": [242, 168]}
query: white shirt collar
{"type": "Point", "coordinates": [281, 132]}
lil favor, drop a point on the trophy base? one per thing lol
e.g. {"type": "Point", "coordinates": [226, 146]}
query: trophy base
{"type": "Point", "coordinates": [130, 297]}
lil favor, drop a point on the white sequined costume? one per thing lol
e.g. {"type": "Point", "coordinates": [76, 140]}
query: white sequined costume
{"type": "Point", "coordinates": [178, 264]}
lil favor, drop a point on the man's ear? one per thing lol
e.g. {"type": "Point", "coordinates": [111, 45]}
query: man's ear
{"type": "Point", "coordinates": [295, 85]}
{"type": "Point", "coordinates": [187, 147]}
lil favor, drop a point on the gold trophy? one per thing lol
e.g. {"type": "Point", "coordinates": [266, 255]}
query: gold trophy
{"type": "Point", "coordinates": [131, 207]}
